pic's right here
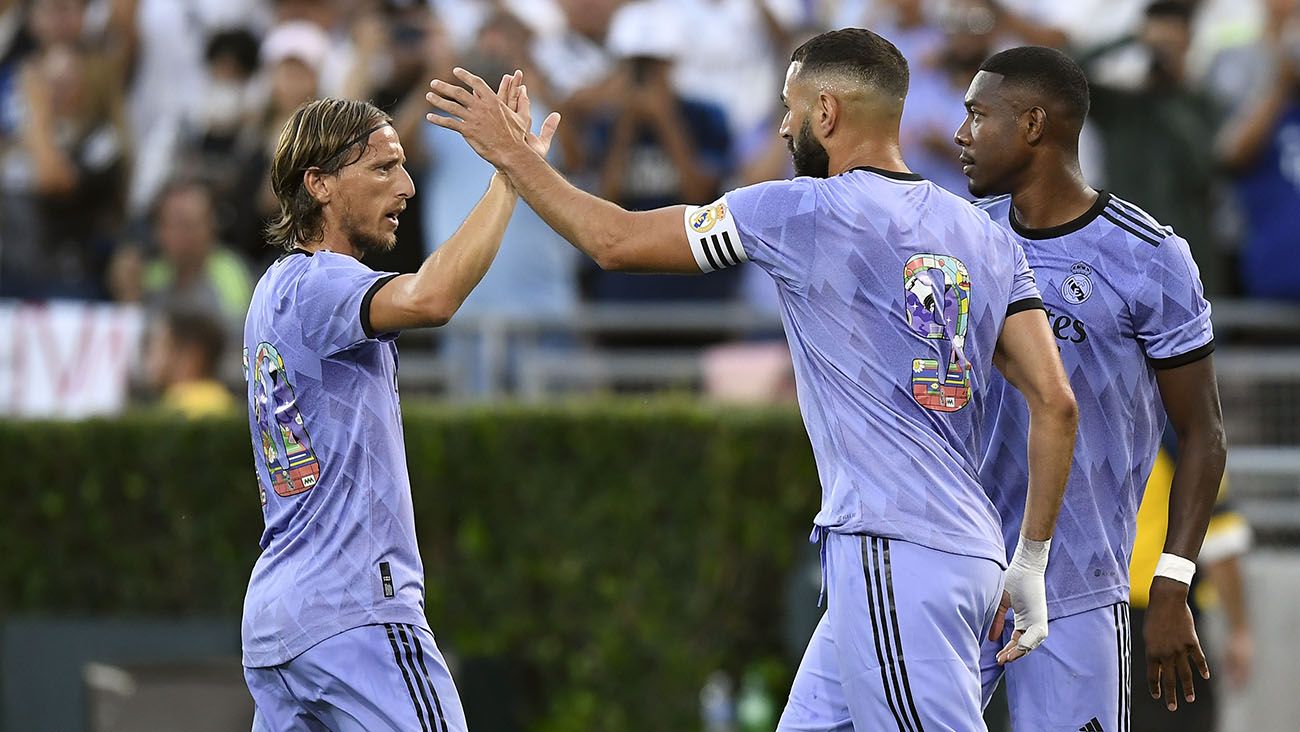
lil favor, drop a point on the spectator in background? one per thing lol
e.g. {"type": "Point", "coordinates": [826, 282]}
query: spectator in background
{"type": "Point", "coordinates": [399, 47]}
{"type": "Point", "coordinates": [1260, 148]}
{"type": "Point", "coordinates": [181, 359]}
{"type": "Point", "coordinates": [193, 272]}
{"type": "Point", "coordinates": [292, 55]}
{"type": "Point", "coordinates": [738, 49]}
{"type": "Point", "coordinates": [657, 147]}
{"type": "Point", "coordinates": [215, 140]}
{"type": "Point", "coordinates": [904, 22]}
{"type": "Point", "coordinates": [534, 275]}
{"type": "Point", "coordinates": [1158, 139]}
{"type": "Point", "coordinates": [936, 98]}
{"type": "Point", "coordinates": [63, 165]}
{"type": "Point", "coordinates": [580, 75]}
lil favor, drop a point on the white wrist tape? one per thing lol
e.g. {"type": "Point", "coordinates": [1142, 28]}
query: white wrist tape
{"type": "Point", "coordinates": [1176, 568]}
{"type": "Point", "coordinates": [1032, 555]}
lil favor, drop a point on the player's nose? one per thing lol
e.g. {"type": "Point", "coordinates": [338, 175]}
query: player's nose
{"type": "Point", "coordinates": [406, 188]}
{"type": "Point", "coordinates": [962, 135]}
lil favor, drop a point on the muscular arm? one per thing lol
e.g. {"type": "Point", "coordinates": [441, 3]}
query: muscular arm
{"type": "Point", "coordinates": [1026, 355]}
{"type": "Point", "coordinates": [640, 241]}
{"type": "Point", "coordinates": [434, 293]}
{"type": "Point", "coordinates": [1191, 398]}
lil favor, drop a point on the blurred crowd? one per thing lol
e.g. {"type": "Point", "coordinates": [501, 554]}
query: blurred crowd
{"type": "Point", "coordinates": [135, 135]}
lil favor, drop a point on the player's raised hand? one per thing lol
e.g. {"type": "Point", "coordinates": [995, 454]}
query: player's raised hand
{"type": "Point", "coordinates": [494, 125]}
{"type": "Point", "coordinates": [1169, 633]}
{"type": "Point", "coordinates": [1026, 596]}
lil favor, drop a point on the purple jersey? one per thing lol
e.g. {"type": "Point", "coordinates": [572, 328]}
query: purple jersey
{"type": "Point", "coordinates": [1123, 298]}
{"type": "Point", "coordinates": [893, 293]}
{"type": "Point", "coordinates": [339, 546]}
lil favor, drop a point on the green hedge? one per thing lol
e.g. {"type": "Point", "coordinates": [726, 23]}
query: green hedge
{"type": "Point", "coordinates": [615, 552]}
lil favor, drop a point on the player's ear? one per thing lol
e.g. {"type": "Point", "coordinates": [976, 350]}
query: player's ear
{"type": "Point", "coordinates": [827, 113]}
{"type": "Point", "coordinates": [319, 185]}
{"type": "Point", "coordinates": [1035, 125]}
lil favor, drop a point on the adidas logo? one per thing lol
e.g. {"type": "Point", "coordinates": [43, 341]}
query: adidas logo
{"type": "Point", "coordinates": [1092, 726]}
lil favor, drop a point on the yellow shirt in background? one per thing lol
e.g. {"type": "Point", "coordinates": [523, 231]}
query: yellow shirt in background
{"type": "Point", "coordinates": [199, 399]}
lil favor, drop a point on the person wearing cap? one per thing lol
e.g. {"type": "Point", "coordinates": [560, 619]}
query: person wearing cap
{"type": "Point", "coordinates": [656, 147]}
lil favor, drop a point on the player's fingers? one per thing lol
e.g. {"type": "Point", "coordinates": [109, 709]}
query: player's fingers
{"type": "Point", "coordinates": [1000, 619]}
{"type": "Point", "coordinates": [1185, 676]}
{"type": "Point", "coordinates": [549, 126]}
{"type": "Point", "coordinates": [503, 88]}
{"type": "Point", "coordinates": [1169, 683]}
{"type": "Point", "coordinates": [516, 89]}
{"type": "Point", "coordinates": [446, 105]}
{"type": "Point", "coordinates": [523, 106]}
{"type": "Point", "coordinates": [1198, 658]}
{"type": "Point", "coordinates": [1153, 678]}
{"type": "Point", "coordinates": [450, 123]}
{"type": "Point", "coordinates": [1012, 650]}
{"type": "Point", "coordinates": [476, 84]}
{"type": "Point", "coordinates": [451, 91]}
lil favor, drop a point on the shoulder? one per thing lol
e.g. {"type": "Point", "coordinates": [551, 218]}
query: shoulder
{"type": "Point", "coordinates": [1138, 228]}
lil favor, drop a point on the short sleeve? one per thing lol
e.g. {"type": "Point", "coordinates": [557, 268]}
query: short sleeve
{"type": "Point", "coordinates": [1170, 314]}
{"type": "Point", "coordinates": [333, 302]}
{"type": "Point", "coordinates": [1024, 290]}
{"type": "Point", "coordinates": [770, 224]}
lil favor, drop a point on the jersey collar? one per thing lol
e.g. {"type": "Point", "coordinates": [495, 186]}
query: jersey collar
{"type": "Point", "coordinates": [1069, 227]}
{"type": "Point", "coordinates": [896, 175]}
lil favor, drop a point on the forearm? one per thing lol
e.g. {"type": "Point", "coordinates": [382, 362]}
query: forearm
{"type": "Point", "coordinates": [594, 226]}
{"type": "Point", "coordinates": [1195, 487]}
{"type": "Point", "coordinates": [1051, 448]}
{"type": "Point", "coordinates": [449, 274]}
{"type": "Point", "coordinates": [1246, 136]}
{"type": "Point", "coordinates": [1226, 576]}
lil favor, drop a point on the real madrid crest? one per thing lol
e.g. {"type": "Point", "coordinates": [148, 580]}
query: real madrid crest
{"type": "Point", "coordinates": [1078, 286]}
{"type": "Point", "coordinates": [704, 220]}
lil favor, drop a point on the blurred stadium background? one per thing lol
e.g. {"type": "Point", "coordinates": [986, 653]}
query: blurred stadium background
{"type": "Point", "coordinates": [612, 486]}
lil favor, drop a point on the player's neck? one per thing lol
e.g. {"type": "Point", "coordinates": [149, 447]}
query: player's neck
{"type": "Point", "coordinates": [869, 154]}
{"type": "Point", "coordinates": [333, 241]}
{"type": "Point", "coordinates": [1053, 197]}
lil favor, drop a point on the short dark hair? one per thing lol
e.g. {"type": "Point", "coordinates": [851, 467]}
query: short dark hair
{"type": "Point", "coordinates": [1047, 73]}
{"type": "Point", "coordinates": [1172, 9]}
{"type": "Point", "coordinates": [859, 52]}
{"type": "Point", "coordinates": [188, 327]}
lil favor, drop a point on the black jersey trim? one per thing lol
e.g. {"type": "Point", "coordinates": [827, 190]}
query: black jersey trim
{"type": "Point", "coordinates": [1130, 228]}
{"type": "Point", "coordinates": [295, 250]}
{"type": "Point", "coordinates": [1136, 210]}
{"type": "Point", "coordinates": [1029, 303]}
{"type": "Point", "coordinates": [1069, 227]}
{"type": "Point", "coordinates": [1173, 362]}
{"type": "Point", "coordinates": [895, 174]}
{"type": "Point", "coordinates": [365, 303]}
{"type": "Point", "coordinates": [1133, 218]}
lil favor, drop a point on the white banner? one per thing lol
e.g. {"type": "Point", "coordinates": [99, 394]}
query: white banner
{"type": "Point", "coordinates": [67, 360]}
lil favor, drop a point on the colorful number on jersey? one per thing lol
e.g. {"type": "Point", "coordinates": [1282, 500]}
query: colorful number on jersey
{"type": "Point", "coordinates": [286, 448]}
{"type": "Point", "coordinates": [938, 307]}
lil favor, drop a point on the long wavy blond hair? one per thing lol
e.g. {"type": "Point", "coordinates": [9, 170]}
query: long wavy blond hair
{"type": "Point", "coordinates": [326, 134]}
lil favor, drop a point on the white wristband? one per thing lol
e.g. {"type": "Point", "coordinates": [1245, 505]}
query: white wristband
{"type": "Point", "coordinates": [1176, 568]}
{"type": "Point", "coordinates": [1032, 555]}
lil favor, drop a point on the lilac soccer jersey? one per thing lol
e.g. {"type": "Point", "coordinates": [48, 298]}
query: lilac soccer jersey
{"type": "Point", "coordinates": [339, 548]}
{"type": "Point", "coordinates": [893, 294]}
{"type": "Point", "coordinates": [1124, 299]}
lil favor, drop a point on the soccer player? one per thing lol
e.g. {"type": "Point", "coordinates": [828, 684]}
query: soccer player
{"type": "Point", "coordinates": [334, 631]}
{"type": "Point", "coordinates": [1126, 310]}
{"type": "Point", "coordinates": [897, 299]}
